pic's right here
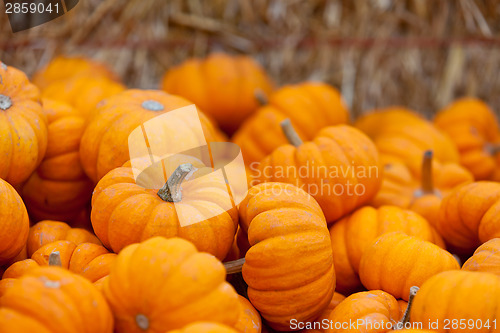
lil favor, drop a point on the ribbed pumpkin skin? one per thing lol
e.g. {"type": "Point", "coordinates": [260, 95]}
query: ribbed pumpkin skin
{"type": "Point", "coordinates": [45, 232]}
{"type": "Point", "coordinates": [375, 306]}
{"type": "Point", "coordinates": [14, 223]}
{"type": "Point", "coordinates": [395, 262]}
{"type": "Point", "coordinates": [52, 295]}
{"type": "Point", "coordinates": [472, 126]}
{"type": "Point", "coordinates": [486, 258]}
{"type": "Point", "coordinates": [124, 212]}
{"type": "Point", "coordinates": [437, 301]}
{"type": "Point", "coordinates": [249, 320]}
{"type": "Point", "coordinates": [201, 80]}
{"type": "Point", "coordinates": [402, 136]}
{"type": "Point", "coordinates": [353, 234]}
{"type": "Point", "coordinates": [309, 105]}
{"type": "Point", "coordinates": [104, 144]}
{"type": "Point", "coordinates": [401, 188]}
{"type": "Point", "coordinates": [340, 168]}
{"type": "Point", "coordinates": [336, 300]}
{"type": "Point", "coordinates": [146, 276]}
{"type": "Point", "coordinates": [468, 216]}
{"type": "Point", "coordinates": [298, 279]}
{"type": "Point", "coordinates": [59, 188]}
{"type": "Point", "coordinates": [82, 92]}
{"type": "Point", "coordinates": [205, 327]}
{"type": "Point", "coordinates": [23, 126]}
{"type": "Point", "coordinates": [63, 68]}
{"type": "Point", "coordinates": [89, 260]}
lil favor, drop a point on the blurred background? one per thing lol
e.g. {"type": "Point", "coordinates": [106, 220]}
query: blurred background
{"type": "Point", "coordinates": [417, 53]}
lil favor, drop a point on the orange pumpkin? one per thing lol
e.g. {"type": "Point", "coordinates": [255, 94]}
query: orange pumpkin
{"type": "Point", "coordinates": [402, 136]}
{"type": "Point", "coordinates": [59, 189]}
{"type": "Point", "coordinates": [205, 327]}
{"type": "Point", "coordinates": [421, 193]}
{"type": "Point", "coordinates": [376, 308]}
{"type": "Point", "coordinates": [352, 235]}
{"type": "Point", "coordinates": [395, 262]}
{"type": "Point", "coordinates": [169, 286]}
{"type": "Point", "coordinates": [125, 211]}
{"type": "Point", "coordinates": [201, 80]}
{"type": "Point", "coordinates": [63, 68]}
{"type": "Point", "coordinates": [15, 271]}
{"type": "Point", "coordinates": [82, 92]}
{"type": "Point", "coordinates": [436, 302]}
{"type": "Point", "coordinates": [14, 223]}
{"type": "Point", "coordinates": [310, 106]}
{"type": "Point", "coordinates": [45, 232]}
{"type": "Point", "coordinates": [22, 124]}
{"type": "Point", "coordinates": [339, 168]}
{"type": "Point", "coordinates": [289, 267]}
{"type": "Point", "coordinates": [89, 260]}
{"type": "Point", "coordinates": [54, 300]}
{"type": "Point", "coordinates": [468, 216]}
{"type": "Point", "coordinates": [249, 320]}
{"type": "Point", "coordinates": [104, 144]}
{"type": "Point", "coordinates": [473, 127]}
{"type": "Point", "coordinates": [486, 258]}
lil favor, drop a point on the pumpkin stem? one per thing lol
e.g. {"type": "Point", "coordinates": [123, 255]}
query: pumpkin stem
{"type": "Point", "coordinates": [5, 102]}
{"type": "Point", "coordinates": [406, 317]}
{"type": "Point", "coordinates": [234, 266]}
{"type": "Point", "coordinates": [152, 105]}
{"type": "Point", "coordinates": [426, 179]}
{"type": "Point", "coordinates": [55, 259]}
{"type": "Point", "coordinates": [171, 191]}
{"type": "Point", "coordinates": [291, 133]}
{"type": "Point", "coordinates": [261, 97]}
{"type": "Point", "coordinates": [492, 148]}
{"type": "Point", "coordinates": [142, 321]}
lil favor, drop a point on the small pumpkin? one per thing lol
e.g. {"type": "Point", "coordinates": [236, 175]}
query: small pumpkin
{"type": "Point", "coordinates": [395, 262]}
{"type": "Point", "coordinates": [45, 232]}
{"type": "Point", "coordinates": [486, 258]}
{"type": "Point", "coordinates": [62, 68]}
{"type": "Point", "coordinates": [437, 302]}
{"type": "Point", "coordinates": [402, 136]}
{"type": "Point", "coordinates": [289, 266]}
{"type": "Point", "coordinates": [468, 216]}
{"type": "Point", "coordinates": [105, 146]}
{"type": "Point", "coordinates": [473, 127]}
{"type": "Point", "coordinates": [205, 327]}
{"type": "Point", "coordinates": [310, 106]}
{"type": "Point", "coordinates": [201, 80]}
{"type": "Point", "coordinates": [376, 308]}
{"type": "Point", "coordinates": [22, 124]}
{"type": "Point", "coordinates": [54, 300]}
{"type": "Point", "coordinates": [15, 271]}
{"type": "Point", "coordinates": [165, 284]}
{"type": "Point", "coordinates": [339, 168]}
{"type": "Point", "coordinates": [82, 92]}
{"type": "Point", "coordinates": [249, 320]}
{"type": "Point", "coordinates": [423, 192]}
{"type": "Point", "coordinates": [353, 234]}
{"type": "Point", "coordinates": [59, 188]}
{"type": "Point", "coordinates": [125, 211]}
{"type": "Point", "coordinates": [14, 223]}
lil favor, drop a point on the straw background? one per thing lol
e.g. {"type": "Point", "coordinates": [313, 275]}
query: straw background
{"type": "Point", "coordinates": [417, 53]}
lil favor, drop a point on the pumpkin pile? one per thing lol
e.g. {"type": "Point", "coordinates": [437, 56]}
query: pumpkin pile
{"type": "Point", "coordinates": [347, 225]}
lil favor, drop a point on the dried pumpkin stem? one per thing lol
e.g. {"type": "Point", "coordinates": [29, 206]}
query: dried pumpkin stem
{"type": "Point", "coordinates": [291, 133]}
{"type": "Point", "coordinates": [5, 102]}
{"type": "Point", "coordinates": [492, 148]}
{"type": "Point", "coordinates": [171, 191]}
{"type": "Point", "coordinates": [234, 266]}
{"type": "Point", "coordinates": [55, 259]}
{"type": "Point", "coordinates": [261, 97]}
{"type": "Point", "coordinates": [427, 183]}
{"type": "Point", "coordinates": [406, 317]}
{"type": "Point", "coordinates": [142, 321]}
